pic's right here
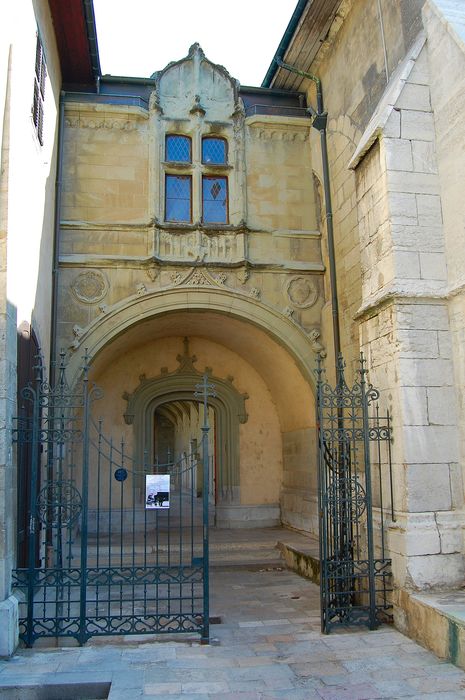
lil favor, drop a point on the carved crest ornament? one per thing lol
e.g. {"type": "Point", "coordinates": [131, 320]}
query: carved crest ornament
{"type": "Point", "coordinates": [90, 287]}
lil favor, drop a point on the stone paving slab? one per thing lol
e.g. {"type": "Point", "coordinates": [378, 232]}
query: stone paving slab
{"type": "Point", "coordinates": [268, 646]}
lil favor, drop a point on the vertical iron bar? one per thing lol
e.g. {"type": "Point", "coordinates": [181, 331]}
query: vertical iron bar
{"type": "Point", "coordinates": [99, 474]}
{"type": "Point", "coordinates": [206, 592]}
{"type": "Point", "coordinates": [381, 505]}
{"type": "Point", "coordinates": [368, 497]}
{"type": "Point", "coordinates": [85, 504]}
{"type": "Point", "coordinates": [391, 485]}
{"type": "Point", "coordinates": [205, 390]}
{"type": "Point", "coordinates": [35, 451]}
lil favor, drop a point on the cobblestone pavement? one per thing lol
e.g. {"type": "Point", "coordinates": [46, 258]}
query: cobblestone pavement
{"type": "Point", "coordinates": [268, 645]}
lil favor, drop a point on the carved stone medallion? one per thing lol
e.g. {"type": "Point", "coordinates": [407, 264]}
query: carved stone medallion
{"type": "Point", "coordinates": [302, 292]}
{"type": "Point", "coordinates": [89, 287]}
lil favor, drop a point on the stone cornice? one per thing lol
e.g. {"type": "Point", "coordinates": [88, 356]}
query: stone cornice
{"type": "Point", "coordinates": [141, 262]}
{"type": "Point", "coordinates": [396, 296]}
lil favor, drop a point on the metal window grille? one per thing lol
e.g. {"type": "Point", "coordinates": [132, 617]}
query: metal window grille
{"type": "Point", "coordinates": [39, 91]}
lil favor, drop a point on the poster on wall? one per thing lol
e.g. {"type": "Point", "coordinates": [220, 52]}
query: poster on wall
{"type": "Point", "coordinates": [157, 491]}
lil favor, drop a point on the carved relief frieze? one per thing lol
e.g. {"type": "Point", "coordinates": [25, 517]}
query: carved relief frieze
{"type": "Point", "coordinates": [198, 246]}
{"type": "Point", "coordinates": [283, 134]}
{"type": "Point", "coordinates": [89, 287]}
{"type": "Point", "coordinates": [80, 122]}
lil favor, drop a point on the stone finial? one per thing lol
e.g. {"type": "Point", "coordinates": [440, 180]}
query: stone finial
{"type": "Point", "coordinates": [186, 360]}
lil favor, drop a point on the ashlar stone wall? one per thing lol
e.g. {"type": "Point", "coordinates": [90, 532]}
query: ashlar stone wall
{"type": "Point", "coordinates": [405, 330]}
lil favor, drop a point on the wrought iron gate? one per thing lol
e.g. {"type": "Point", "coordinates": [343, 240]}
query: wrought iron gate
{"type": "Point", "coordinates": [123, 546]}
{"type": "Point", "coordinates": [354, 476]}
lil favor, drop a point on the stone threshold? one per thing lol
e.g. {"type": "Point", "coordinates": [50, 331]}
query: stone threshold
{"type": "Point", "coordinates": [435, 620]}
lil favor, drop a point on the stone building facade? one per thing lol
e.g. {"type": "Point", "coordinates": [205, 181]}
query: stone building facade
{"type": "Point", "coordinates": [149, 255]}
{"type": "Point", "coordinates": [190, 235]}
{"type": "Point", "coordinates": [396, 156]}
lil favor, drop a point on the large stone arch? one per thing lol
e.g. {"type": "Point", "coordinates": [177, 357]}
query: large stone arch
{"type": "Point", "coordinates": [300, 345]}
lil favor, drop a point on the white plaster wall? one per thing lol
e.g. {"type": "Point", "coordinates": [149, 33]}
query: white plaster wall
{"type": "Point", "coordinates": [32, 167]}
{"type": "Point", "coordinates": [26, 226]}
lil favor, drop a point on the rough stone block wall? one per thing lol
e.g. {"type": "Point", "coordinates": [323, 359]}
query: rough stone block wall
{"type": "Point", "coordinates": [445, 29]}
{"type": "Point", "coordinates": [405, 334]}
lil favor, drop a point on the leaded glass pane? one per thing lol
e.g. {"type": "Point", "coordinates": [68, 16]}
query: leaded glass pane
{"type": "Point", "coordinates": [213, 151]}
{"type": "Point", "coordinates": [178, 198]}
{"type": "Point", "coordinates": [178, 149]}
{"type": "Point", "coordinates": [215, 200]}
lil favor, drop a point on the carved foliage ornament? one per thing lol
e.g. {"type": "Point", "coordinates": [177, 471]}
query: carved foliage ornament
{"type": "Point", "coordinates": [302, 292]}
{"type": "Point", "coordinates": [89, 287]}
{"type": "Point", "coordinates": [196, 277]}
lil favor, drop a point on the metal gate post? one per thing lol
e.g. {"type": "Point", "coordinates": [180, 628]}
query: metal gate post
{"type": "Point", "coordinates": [83, 636]}
{"type": "Point", "coordinates": [369, 504]}
{"type": "Point", "coordinates": [32, 395]}
{"type": "Point", "coordinates": [205, 390]}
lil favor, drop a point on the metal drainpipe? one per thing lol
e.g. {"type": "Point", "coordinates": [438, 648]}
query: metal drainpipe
{"type": "Point", "coordinates": [320, 118]}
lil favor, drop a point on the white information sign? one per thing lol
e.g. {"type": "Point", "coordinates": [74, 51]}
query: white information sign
{"type": "Point", "coordinates": [157, 491]}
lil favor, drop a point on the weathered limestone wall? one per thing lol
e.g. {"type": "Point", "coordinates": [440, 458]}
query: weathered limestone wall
{"type": "Point", "coordinates": [105, 176]}
{"type": "Point", "coordinates": [299, 496]}
{"type": "Point", "coordinates": [354, 63]}
{"type": "Point", "coordinates": [405, 330]}
{"type": "Point", "coordinates": [445, 30]}
{"type": "Point", "coordinates": [392, 253]}
{"type": "Point", "coordinates": [27, 174]}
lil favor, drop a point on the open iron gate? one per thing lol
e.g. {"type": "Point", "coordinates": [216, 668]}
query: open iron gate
{"type": "Point", "coordinates": [124, 546]}
{"type": "Point", "coordinates": [355, 475]}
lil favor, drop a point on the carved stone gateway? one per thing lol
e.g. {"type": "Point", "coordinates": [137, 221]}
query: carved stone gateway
{"type": "Point", "coordinates": [228, 404]}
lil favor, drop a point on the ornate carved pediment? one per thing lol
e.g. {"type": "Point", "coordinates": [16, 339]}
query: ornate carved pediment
{"type": "Point", "coordinates": [183, 379]}
{"type": "Point", "coordinates": [198, 277]}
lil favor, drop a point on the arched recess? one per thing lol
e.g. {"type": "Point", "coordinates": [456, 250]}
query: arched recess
{"type": "Point", "coordinates": [180, 385]}
{"type": "Point", "coordinates": [282, 329]}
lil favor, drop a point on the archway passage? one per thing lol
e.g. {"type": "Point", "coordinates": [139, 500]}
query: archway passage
{"type": "Point", "coordinates": [177, 437]}
{"type": "Point", "coordinates": [266, 436]}
{"type": "Point", "coordinates": [261, 406]}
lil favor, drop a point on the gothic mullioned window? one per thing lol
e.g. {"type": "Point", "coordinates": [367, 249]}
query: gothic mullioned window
{"type": "Point", "coordinates": [202, 188]}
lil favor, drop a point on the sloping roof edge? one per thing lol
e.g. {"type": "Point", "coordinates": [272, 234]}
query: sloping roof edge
{"type": "Point", "coordinates": [285, 42]}
{"type": "Point", "coordinates": [76, 39]}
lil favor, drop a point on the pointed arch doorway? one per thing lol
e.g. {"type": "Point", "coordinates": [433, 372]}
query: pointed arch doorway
{"type": "Point", "coordinates": [177, 437]}
{"type": "Point", "coordinates": [165, 417]}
